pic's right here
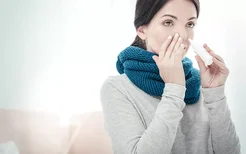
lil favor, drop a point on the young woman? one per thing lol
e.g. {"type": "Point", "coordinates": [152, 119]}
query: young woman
{"type": "Point", "coordinates": [161, 104]}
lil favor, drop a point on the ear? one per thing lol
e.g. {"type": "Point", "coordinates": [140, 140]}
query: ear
{"type": "Point", "coordinates": [141, 32]}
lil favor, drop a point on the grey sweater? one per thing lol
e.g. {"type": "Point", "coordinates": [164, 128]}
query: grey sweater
{"type": "Point", "coordinates": [138, 123]}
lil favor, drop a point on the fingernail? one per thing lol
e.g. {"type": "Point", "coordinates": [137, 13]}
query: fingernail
{"type": "Point", "coordinates": [180, 38]}
{"type": "Point", "coordinates": [176, 35]}
{"type": "Point", "coordinates": [196, 58]}
{"type": "Point", "coordinates": [169, 37]}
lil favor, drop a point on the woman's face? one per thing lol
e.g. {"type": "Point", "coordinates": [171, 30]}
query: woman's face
{"type": "Point", "coordinates": [176, 16]}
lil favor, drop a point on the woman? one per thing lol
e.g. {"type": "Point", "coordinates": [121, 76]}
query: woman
{"type": "Point", "coordinates": [160, 103]}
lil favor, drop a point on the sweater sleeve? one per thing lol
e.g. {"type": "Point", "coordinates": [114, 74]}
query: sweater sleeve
{"type": "Point", "coordinates": [125, 128]}
{"type": "Point", "coordinates": [224, 136]}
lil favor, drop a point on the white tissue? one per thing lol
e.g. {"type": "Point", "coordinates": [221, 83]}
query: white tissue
{"type": "Point", "coordinates": [201, 51]}
{"type": "Point", "coordinates": [8, 148]}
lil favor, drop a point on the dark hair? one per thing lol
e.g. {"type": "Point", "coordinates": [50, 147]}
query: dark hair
{"type": "Point", "coordinates": [144, 12]}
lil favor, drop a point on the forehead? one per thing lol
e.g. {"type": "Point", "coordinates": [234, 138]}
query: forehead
{"type": "Point", "coordinates": [179, 8]}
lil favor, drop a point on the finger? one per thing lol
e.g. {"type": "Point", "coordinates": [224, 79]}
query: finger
{"type": "Point", "coordinates": [178, 44]}
{"type": "Point", "coordinates": [217, 57]}
{"type": "Point", "coordinates": [219, 63]}
{"type": "Point", "coordinates": [208, 49]}
{"type": "Point", "coordinates": [171, 46]}
{"type": "Point", "coordinates": [181, 50]}
{"type": "Point", "coordinates": [164, 46]}
{"type": "Point", "coordinates": [156, 59]}
{"type": "Point", "coordinates": [211, 52]}
{"type": "Point", "coordinates": [201, 64]}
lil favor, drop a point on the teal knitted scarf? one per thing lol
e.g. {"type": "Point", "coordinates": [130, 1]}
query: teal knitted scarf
{"type": "Point", "coordinates": [142, 70]}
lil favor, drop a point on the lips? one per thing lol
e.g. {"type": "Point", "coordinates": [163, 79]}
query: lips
{"type": "Point", "coordinates": [187, 45]}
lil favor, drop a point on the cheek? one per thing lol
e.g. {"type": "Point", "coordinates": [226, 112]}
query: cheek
{"type": "Point", "coordinates": [157, 39]}
{"type": "Point", "coordinates": [190, 36]}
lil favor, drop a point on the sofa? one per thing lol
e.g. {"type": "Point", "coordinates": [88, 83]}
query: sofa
{"type": "Point", "coordinates": [36, 132]}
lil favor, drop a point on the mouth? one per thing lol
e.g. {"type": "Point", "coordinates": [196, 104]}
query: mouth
{"type": "Point", "coordinates": [187, 46]}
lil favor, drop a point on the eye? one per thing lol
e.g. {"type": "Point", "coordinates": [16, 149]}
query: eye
{"type": "Point", "coordinates": [191, 25]}
{"type": "Point", "coordinates": [168, 23]}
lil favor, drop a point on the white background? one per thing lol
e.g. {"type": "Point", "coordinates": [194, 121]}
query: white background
{"type": "Point", "coordinates": [55, 54]}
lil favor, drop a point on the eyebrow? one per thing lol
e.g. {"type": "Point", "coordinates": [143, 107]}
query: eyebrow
{"type": "Point", "coordinates": [172, 16]}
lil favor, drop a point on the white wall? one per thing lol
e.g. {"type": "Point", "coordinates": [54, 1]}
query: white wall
{"type": "Point", "coordinates": [30, 48]}
{"type": "Point", "coordinates": [55, 54]}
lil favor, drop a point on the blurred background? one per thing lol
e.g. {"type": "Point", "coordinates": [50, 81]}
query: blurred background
{"type": "Point", "coordinates": [55, 55]}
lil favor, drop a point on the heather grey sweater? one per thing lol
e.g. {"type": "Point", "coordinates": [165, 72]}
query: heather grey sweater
{"type": "Point", "coordinates": [138, 123]}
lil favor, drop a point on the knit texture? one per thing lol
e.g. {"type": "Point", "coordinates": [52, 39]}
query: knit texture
{"type": "Point", "coordinates": [142, 70]}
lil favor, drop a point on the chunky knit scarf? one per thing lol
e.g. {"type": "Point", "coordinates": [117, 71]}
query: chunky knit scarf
{"type": "Point", "coordinates": [142, 70]}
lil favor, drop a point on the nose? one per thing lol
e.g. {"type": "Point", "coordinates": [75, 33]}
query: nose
{"type": "Point", "coordinates": [182, 32]}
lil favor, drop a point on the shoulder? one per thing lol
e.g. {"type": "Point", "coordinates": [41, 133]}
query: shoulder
{"type": "Point", "coordinates": [114, 86]}
{"type": "Point", "coordinates": [114, 93]}
{"type": "Point", "coordinates": [115, 79]}
{"type": "Point", "coordinates": [117, 82]}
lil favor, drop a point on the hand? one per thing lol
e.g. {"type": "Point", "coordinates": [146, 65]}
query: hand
{"type": "Point", "coordinates": [214, 75]}
{"type": "Point", "coordinates": [169, 61]}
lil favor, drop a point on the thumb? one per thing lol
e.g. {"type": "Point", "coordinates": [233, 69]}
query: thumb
{"type": "Point", "coordinates": [201, 64]}
{"type": "Point", "coordinates": [156, 59]}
